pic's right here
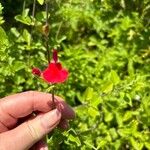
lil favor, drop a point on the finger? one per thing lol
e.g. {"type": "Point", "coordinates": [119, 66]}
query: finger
{"type": "Point", "coordinates": [40, 145]}
{"type": "Point", "coordinates": [28, 133]}
{"type": "Point", "coordinates": [3, 128]}
{"type": "Point", "coordinates": [64, 124]}
{"type": "Point", "coordinates": [66, 110]}
{"type": "Point", "coordinates": [23, 104]}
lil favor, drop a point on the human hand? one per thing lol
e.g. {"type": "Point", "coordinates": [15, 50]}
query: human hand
{"type": "Point", "coordinates": [20, 129]}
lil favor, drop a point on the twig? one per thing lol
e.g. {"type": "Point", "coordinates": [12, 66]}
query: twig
{"type": "Point", "coordinates": [33, 9]}
{"type": "Point", "coordinates": [47, 33]}
{"type": "Point", "coordinates": [47, 48]}
{"type": "Point", "coordinates": [53, 98]}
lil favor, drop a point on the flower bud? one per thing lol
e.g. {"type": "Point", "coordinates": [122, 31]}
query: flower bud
{"type": "Point", "coordinates": [55, 56]}
{"type": "Point", "coordinates": [36, 71]}
{"type": "Point", "coordinates": [45, 29]}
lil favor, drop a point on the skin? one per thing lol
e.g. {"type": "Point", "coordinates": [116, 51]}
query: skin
{"type": "Point", "coordinates": [25, 119]}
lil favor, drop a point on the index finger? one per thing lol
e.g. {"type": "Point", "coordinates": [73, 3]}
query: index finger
{"type": "Point", "coordinates": [23, 104]}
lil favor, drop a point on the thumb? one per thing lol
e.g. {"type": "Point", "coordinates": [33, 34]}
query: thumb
{"type": "Point", "coordinates": [28, 133]}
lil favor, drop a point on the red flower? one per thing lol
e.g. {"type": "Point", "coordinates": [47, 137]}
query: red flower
{"type": "Point", "coordinates": [55, 73]}
{"type": "Point", "coordinates": [36, 71]}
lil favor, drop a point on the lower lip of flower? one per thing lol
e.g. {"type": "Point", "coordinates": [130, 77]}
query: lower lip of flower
{"type": "Point", "coordinates": [55, 73]}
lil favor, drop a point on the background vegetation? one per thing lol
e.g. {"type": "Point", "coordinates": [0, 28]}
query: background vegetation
{"type": "Point", "coordinates": [105, 46]}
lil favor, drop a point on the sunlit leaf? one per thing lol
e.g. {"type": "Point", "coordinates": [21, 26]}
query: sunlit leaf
{"type": "Point", "coordinates": [114, 77]}
{"type": "Point", "coordinates": [108, 87]}
{"type": "Point", "coordinates": [41, 2]}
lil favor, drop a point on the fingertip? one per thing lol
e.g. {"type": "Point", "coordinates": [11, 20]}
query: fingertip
{"type": "Point", "coordinates": [51, 119]}
{"type": "Point", "coordinates": [41, 145]}
{"type": "Point", "coordinates": [65, 109]}
{"type": "Point", "coordinates": [64, 124]}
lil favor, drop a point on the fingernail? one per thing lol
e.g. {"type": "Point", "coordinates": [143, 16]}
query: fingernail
{"type": "Point", "coordinates": [60, 107]}
{"type": "Point", "coordinates": [51, 119]}
{"type": "Point", "coordinates": [44, 148]}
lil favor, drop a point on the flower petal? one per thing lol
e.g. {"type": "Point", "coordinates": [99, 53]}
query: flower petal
{"type": "Point", "coordinates": [55, 73]}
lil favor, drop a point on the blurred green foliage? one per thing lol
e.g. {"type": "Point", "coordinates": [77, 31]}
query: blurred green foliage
{"type": "Point", "coordinates": [105, 46]}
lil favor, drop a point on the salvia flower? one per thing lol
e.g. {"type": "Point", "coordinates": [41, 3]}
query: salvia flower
{"type": "Point", "coordinates": [55, 56]}
{"type": "Point", "coordinates": [54, 73]}
{"type": "Point", "coordinates": [36, 71]}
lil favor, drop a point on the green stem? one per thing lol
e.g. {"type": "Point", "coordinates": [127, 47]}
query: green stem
{"type": "Point", "coordinates": [47, 38]}
{"type": "Point", "coordinates": [24, 6]}
{"type": "Point", "coordinates": [53, 97]}
{"type": "Point", "coordinates": [46, 12]}
{"type": "Point", "coordinates": [33, 9]}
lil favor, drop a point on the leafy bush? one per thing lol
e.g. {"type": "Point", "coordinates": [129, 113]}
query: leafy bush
{"type": "Point", "coordinates": [105, 45]}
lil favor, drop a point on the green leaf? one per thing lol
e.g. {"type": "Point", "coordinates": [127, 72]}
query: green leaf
{"type": "Point", "coordinates": [90, 145]}
{"type": "Point", "coordinates": [3, 40]}
{"type": "Point", "coordinates": [93, 112]}
{"type": "Point", "coordinates": [15, 32]}
{"type": "Point", "coordinates": [107, 87]}
{"type": "Point", "coordinates": [1, 18]}
{"type": "Point", "coordinates": [96, 100]}
{"type": "Point", "coordinates": [119, 119]}
{"type": "Point", "coordinates": [114, 77]}
{"type": "Point", "coordinates": [129, 99]}
{"type": "Point", "coordinates": [24, 18]}
{"type": "Point", "coordinates": [130, 67]}
{"type": "Point", "coordinates": [113, 133]}
{"type": "Point", "coordinates": [88, 94]}
{"type": "Point", "coordinates": [102, 143]}
{"type": "Point", "coordinates": [147, 145]}
{"type": "Point", "coordinates": [18, 65]}
{"type": "Point", "coordinates": [108, 116]}
{"type": "Point", "coordinates": [41, 2]}
{"type": "Point", "coordinates": [136, 144]}
{"type": "Point", "coordinates": [27, 36]}
{"type": "Point", "coordinates": [74, 139]}
{"type": "Point", "coordinates": [25, 12]}
{"type": "Point", "coordinates": [127, 116]}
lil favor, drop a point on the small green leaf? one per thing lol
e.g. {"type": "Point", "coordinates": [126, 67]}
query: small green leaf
{"type": "Point", "coordinates": [27, 37]}
{"type": "Point", "coordinates": [18, 65]}
{"type": "Point", "coordinates": [147, 145]}
{"type": "Point", "coordinates": [41, 2]}
{"type": "Point", "coordinates": [136, 144]}
{"type": "Point", "coordinates": [113, 133]}
{"type": "Point", "coordinates": [74, 139]}
{"type": "Point", "coordinates": [108, 116]}
{"type": "Point", "coordinates": [114, 77]}
{"type": "Point", "coordinates": [130, 67]}
{"type": "Point", "coordinates": [93, 112]}
{"type": "Point", "coordinates": [15, 32]}
{"type": "Point", "coordinates": [25, 12]}
{"type": "Point", "coordinates": [24, 20]}
{"type": "Point", "coordinates": [119, 119]}
{"type": "Point", "coordinates": [90, 145]}
{"type": "Point", "coordinates": [3, 40]}
{"type": "Point", "coordinates": [108, 87]}
{"type": "Point", "coordinates": [101, 144]}
{"type": "Point", "coordinates": [88, 94]}
{"type": "Point", "coordinates": [127, 116]}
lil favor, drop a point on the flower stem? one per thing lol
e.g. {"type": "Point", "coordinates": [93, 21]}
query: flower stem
{"type": "Point", "coordinates": [47, 38]}
{"type": "Point", "coordinates": [47, 12]}
{"type": "Point", "coordinates": [33, 9]}
{"type": "Point", "coordinates": [53, 98]}
{"type": "Point", "coordinates": [47, 48]}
